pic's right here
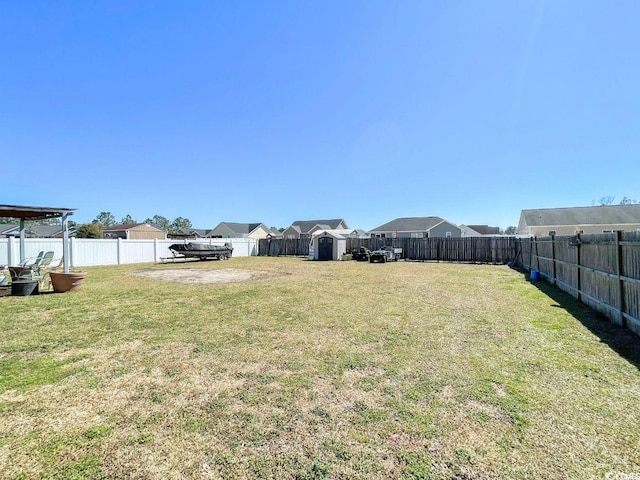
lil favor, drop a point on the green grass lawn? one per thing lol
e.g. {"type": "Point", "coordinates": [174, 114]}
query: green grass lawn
{"type": "Point", "coordinates": [316, 370]}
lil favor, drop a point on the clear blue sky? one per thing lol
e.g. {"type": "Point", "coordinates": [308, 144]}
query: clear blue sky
{"type": "Point", "coordinates": [278, 111]}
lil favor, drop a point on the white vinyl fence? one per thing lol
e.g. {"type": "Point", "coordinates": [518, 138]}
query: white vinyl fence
{"type": "Point", "coordinates": [86, 252]}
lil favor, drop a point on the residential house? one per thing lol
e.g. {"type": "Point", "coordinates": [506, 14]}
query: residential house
{"type": "Point", "coordinates": [479, 231]}
{"type": "Point", "coordinates": [358, 233]}
{"type": "Point", "coordinates": [134, 231]}
{"type": "Point", "coordinates": [189, 233]}
{"type": "Point", "coordinates": [275, 233]}
{"type": "Point", "coordinates": [241, 230]}
{"type": "Point", "coordinates": [305, 228]}
{"type": "Point", "coordinates": [570, 221]}
{"type": "Point", "coordinates": [417, 227]}
{"type": "Point", "coordinates": [9, 230]}
{"type": "Point", "coordinates": [34, 230]}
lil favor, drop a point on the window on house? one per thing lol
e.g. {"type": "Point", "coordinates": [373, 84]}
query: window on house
{"type": "Point", "coordinates": [447, 235]}
{"type": "Point", "coordinates": [416, 235]}
{"type": "Point", "coordinates": [608, 231]}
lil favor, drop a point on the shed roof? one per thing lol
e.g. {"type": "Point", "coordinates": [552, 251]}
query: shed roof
{"type": "Point", "coordinates": [306, 225]}
{"type": "Point", "coordinates": [600, 215]}
{"type": "Point", "coordinates": [127, 226]}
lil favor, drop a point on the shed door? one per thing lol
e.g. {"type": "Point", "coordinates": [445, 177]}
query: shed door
{"type": "Point", "coordinates": [325, 248]}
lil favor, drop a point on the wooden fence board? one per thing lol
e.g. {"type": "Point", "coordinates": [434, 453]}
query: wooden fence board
{"type": "Point", "coordinates": [468, 249]}
{"type": "Point", "coordinates": [603, 271]}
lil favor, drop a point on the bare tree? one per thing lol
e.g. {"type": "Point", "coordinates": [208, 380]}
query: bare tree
{"type": "Point", "coordinates": [608, 200]}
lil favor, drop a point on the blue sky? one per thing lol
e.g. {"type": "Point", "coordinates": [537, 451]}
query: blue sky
{"type": "Point", "coordinates": [280, 111]}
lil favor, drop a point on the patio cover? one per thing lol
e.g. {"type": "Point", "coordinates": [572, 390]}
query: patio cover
{"type": "Point", "coordinates": [40, 213]}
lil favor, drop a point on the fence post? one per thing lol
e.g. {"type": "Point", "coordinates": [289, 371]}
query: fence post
{"type": "Point", "coordinates": [155, 250]}
{"type": "Point", "coordinates": [553, 258]}
{"type": "Point", "coordinates": [578, 244]}
{"type": "Point", "coordinates": [119, 244]}
{"type": "Point", "coordinates": [72, 251]}
{"type": "Point", "coordinates": [623, 320]}
{"type": "Point", "coordinates": [10, 251]}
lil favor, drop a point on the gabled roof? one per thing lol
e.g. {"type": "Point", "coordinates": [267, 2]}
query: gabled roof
{"type": "Point", "coordinates": [34, 230]}
{"type": "Point", "coordinates": [305, 225]}
{"type": "Point", "coordinates": [47, 231]}
{"type": "Point", "coordinates": [409, 224]}
{"type": "Point", "coordinates": [601, 215]}
{"type": "Point", "coordinates": [200, 232]}
{"type": "Point", "coordinates": [127, 226]}
{"type": "Point", "coordinates": [9, 227]}
{"type": "Point", "coordinates": [358, 233]}
{"type": "Point", "coordinates": [338, 233]}
{"type": "Point", "coordinates": [484, 229]}
{"type": "Point", "coordinates": [243, 228]}
{"type": "Point", "coordinates": [120, 227]}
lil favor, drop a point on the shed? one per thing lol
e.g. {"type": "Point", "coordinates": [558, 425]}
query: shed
{"type": "Point", "coordinates": [134, 231]}
{"type": "Point", "coordinates": [328, 244]}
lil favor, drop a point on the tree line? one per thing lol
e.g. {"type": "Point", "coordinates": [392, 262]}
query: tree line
{"type": "Point", "coordinates": [106, 220]}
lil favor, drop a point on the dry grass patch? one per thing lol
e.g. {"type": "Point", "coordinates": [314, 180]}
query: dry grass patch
{"type": "Point", "coordinates": [313, 370]}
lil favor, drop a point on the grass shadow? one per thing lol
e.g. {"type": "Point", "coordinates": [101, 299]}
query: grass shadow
{"type": "Point", "coordinates": [619, 339]}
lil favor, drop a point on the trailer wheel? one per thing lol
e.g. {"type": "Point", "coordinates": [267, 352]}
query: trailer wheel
{"type": "Point", "coordinates": [222, 257]}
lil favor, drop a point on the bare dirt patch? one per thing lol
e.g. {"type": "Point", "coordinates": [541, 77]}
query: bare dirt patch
{"type": "Point", "coordinates": [197, 275]}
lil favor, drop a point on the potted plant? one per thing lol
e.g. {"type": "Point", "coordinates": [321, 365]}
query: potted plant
{"type": "Point", "coordinates": [66, 282]}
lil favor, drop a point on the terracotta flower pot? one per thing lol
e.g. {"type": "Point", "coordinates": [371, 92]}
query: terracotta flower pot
{"type": "Point", "coordinates": [67, 282]}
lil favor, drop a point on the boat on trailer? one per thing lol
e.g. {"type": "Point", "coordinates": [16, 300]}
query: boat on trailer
{"type": "Point", "coordinates": [203, 251]}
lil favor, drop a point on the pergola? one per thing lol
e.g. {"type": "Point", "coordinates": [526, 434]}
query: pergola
{"type": "Point", "coordinates": [40, 213]}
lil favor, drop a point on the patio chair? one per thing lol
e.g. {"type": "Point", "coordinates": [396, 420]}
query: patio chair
{"type": "Point", "coordinates": [32, 271]}
{"type": "Point", "coordinates": [32, 260]}
{"type": "Point", "coordinates": [44, 272]}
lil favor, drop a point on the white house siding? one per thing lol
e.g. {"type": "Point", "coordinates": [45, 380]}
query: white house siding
{"type": "Point", "coordinates": [570, 230]}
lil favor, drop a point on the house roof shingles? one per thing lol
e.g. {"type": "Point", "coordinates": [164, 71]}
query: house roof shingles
{"type": "Point", "coordinates": [121, 226]}
{"type": "Point", "coordinates": [485, 229]}
{"type": "Point", "coordinates": [305, 225]}
{"type": "Point", "coordinates": [607, 214]}
{"type": "Point", "coordinates": [242, 228]}
{"type": "Point", "coordinates": [409, 224]}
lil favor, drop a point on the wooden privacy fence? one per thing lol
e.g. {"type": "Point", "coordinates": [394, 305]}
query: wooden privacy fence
{"type": "Point", "coordinates": [602, 271]}
{"type": "Point", "coordinates": [467, 249]}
